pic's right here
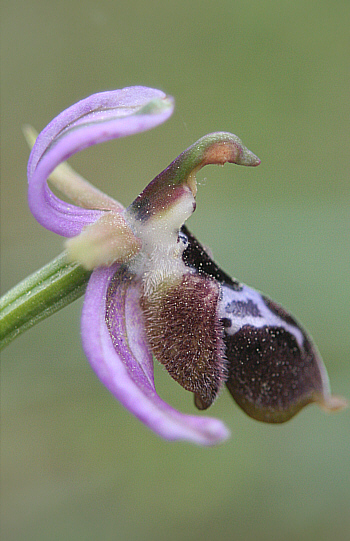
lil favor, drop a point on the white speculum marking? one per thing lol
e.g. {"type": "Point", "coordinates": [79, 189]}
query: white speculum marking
{"type": "Point", "coordinates": [247, 307]}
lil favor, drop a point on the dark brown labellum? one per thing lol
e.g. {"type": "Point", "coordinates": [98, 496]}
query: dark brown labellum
{"type": "Point", "coordinates": [270, 376]}
{"type": "Point", "coordinates": [185, 335]}
{"type": "Point", "coordinates": [274, 370]}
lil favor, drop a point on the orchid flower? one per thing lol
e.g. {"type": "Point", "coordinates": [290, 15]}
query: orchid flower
{"type": "Point", "coordinates": [155, 292]}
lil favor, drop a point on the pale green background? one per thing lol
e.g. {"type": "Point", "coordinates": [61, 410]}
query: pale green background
{"type": "Point", "coordinates": [75, 464]}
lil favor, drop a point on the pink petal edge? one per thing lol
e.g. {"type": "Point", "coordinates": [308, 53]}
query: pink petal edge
{"type": "Point", "coordinates": [125, 367]}
{"type": "Point", "coordinates": [98, 118]}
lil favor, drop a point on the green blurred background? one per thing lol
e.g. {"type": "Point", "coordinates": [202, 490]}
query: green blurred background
{"type": "Point", "coordinates": [75, 464]}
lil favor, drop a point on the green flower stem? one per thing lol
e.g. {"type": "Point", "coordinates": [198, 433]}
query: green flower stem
{"type": "Point", "coordinates": [39, 296]}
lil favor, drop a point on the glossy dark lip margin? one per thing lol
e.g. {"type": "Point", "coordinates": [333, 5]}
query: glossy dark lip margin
{"type": "Point", "coordinates": [268, 374]}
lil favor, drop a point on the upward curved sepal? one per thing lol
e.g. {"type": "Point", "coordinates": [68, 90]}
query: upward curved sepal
{"type": "Point", "coordinates": [98, 118]}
